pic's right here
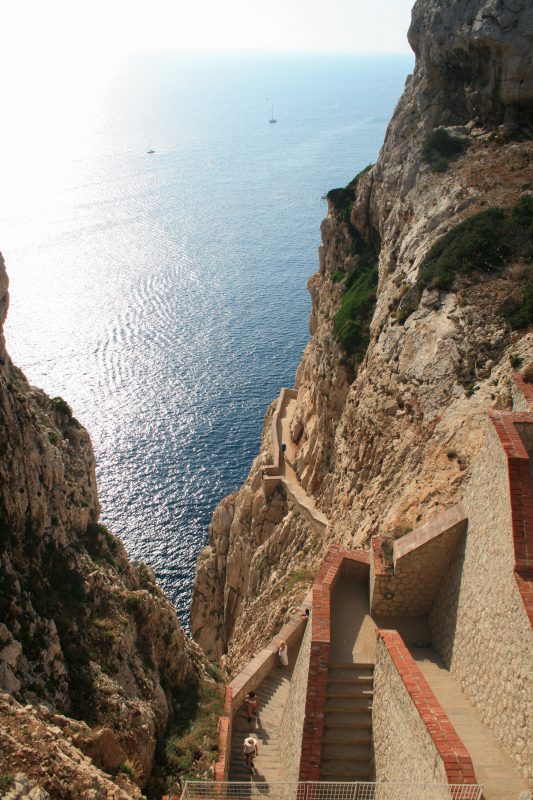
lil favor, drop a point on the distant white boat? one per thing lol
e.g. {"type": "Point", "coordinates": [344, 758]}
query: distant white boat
{"type": "Point", "coordinates": [150, 148]}
{"type": "Point", "coordinates": [272, 115]}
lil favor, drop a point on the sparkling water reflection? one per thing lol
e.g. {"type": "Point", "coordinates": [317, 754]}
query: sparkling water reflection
{"type": "Point", "coordinates": [165, 296]}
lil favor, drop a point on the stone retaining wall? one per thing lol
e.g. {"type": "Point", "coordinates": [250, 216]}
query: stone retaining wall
{"type": "Point", "coordinates": [248, 680]}
{"type": "Point", "coordinates": [292, 722]}
{"type": "Point", "coordinates": [420, 560]}
{"type": "Point", "coordinates": [479, 621]}
{"type": "Point", "coordinates": [413, 739]}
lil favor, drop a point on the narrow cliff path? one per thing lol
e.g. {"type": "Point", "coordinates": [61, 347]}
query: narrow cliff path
{"type": "Point", "coordinates": [273, 694]}
{"type": "Point", "coordinates": [289, 478]}
{"type": "Point", "coordinates": [494, 769]}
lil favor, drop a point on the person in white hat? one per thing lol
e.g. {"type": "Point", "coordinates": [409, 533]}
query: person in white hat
{"type": "Point", "coordinates": [250, 750]}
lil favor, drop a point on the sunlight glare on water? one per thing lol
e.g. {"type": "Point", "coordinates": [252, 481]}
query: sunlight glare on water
{"type": "Point", "coordinates": [164, 296]}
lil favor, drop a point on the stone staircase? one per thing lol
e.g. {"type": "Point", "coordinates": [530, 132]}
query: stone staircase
{"type": "Point", "coordinates": [347, 739]}
{"type": "Point", "coordinates": [272, 693]}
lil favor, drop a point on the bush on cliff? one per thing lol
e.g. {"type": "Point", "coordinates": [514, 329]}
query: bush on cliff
{"type": "Point", "coordinates": [343, 198]}
{"type": "Point", "coordinates": [483, 243]}
{"type": "Point", "coordinates": [352, 320]}
{"type": "Point", "coordinates": [440, 144]}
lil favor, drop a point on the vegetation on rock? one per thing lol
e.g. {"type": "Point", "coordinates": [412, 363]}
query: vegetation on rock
{"type": "Point", "coordinates": [440, 146]}
{"type": "Point", "coordinates": [483, 243]}
{"type": "Point", "coordinates": [343, 198]}
{"type": "Point", "coordinates": [191, 743]}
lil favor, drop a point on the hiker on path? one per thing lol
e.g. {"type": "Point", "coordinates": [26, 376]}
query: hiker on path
{"type": "Point", "coordinates": [250, 751]}
{"type": "Point", "coordinates": [282, 653]}
{"type": "Point", "coordinates": [251, 704]}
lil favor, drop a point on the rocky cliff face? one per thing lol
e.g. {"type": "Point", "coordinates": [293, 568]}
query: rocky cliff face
{"type": "Point", "coordinates": [385, 432]}
{"type": "Point", "coordinates": [83, 632]}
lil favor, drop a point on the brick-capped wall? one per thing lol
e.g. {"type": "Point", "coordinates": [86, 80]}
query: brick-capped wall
{"type": "Point", "coordinates": [317, 680]}
{"type": "Point", "coordinates": [478, 621]}
{"type": "Point", "coordinates": [292, 721]}
{"type": "Point", "coordinates": [413, 738]}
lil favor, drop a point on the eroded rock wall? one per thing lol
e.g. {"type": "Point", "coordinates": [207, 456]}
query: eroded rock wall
{"type": "Point", "coordinates": [386, 443]}
{"type": "Point", "coordinates": [82, 630]}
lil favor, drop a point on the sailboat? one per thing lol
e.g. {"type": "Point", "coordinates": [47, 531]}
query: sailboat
{"type": "Point", "coordinates": [272, 115]}
{"type": "Point", "coordinates": [150, 148]}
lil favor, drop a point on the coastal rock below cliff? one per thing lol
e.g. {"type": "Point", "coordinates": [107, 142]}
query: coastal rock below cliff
{"type": "Point", "coordinates": [82, 629]}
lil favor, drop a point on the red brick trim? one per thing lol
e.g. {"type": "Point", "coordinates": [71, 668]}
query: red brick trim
{"type": "Point", "coordinates": [221, 765]}
{"type": "Point", "coordinates": [525, 388]}
{"type": "Point", "coordinates": [455, 757]}
{"type": "Point", "coordinates": [521, 498]}
{"type": "Point", "coordinates": [317, 679]}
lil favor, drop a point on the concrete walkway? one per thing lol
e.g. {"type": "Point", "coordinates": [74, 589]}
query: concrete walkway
{"type": "Point", "coordinates": [288, 476]}
{"type": "Point", "coordinates": [273, 694]}
{"type": "Point", "coordinates": [353, 630]}
{"type": "Point", "coordinates": [494, 769]}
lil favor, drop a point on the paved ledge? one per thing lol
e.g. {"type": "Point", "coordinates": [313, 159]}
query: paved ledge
{"type": "Point", "coordinates": [281, 471]}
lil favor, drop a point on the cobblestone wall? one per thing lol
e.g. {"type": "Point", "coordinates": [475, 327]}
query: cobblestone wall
{"type": "Point", "coordinates": [478, 620]}
{"type": "Point", "coordinates": [403, 748]}
{"type": "Point", "coordinates": [292, 722]}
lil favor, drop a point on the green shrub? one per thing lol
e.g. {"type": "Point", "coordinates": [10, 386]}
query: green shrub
{"type": "Point", "coordinates": [342, 201]}
{"type": "Point", "coordinates": [128, 769]}
{"type": "Point", "coordinates": [351, 322]}
{"type": "Point", "coordinates": [133, 602]}
{"type": "Point", "coordinates": [52, 437]}
{"type": "Point", "coordinates": [343, 198]}
{"type": "Point", "coordinates": [353, 183]}
{"type": "Point", "coordinates": [524, 316]}
{"type": "Point", "coordinates": [60, 405]}
{"type": "Point", "coordinates": [337, 276]}
{"type": "Point", "coordinates": [6, 782]}
{"type": "Point", "coordinates": [441, 165]}
{"type": "Point", "coordinates": [296, 577]}
{"type": "Point", "coordinates": [440, 144]}
{"type": "Point", "coordinates": [515, 360]}
{"type": "Point", "coordinates": [482, 243]}
{"type": "Point", "coordinates": [214, 672]}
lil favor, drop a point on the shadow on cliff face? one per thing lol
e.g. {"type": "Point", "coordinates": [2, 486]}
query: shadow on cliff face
{"type": "Point", "coordinates": [474, 60]}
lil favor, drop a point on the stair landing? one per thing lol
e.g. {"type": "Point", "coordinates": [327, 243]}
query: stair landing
{"type": "Point", "coordinates": [494, 768]}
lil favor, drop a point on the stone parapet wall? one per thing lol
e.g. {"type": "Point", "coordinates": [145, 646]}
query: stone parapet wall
{"type": "Point", "coordinates": [221, 765]}
{"type": "Point", "coordinates": [407, 587]}
{"type": "Point", "coordinates": [479, 621]}
{"type": "Point", "coordinates": [521, 392]}
{"type": "Point", "coordinates": [248, 680]}
{"type": "Point", "coordinates": [292, 722]}
{"type": "Point", "coordinates": [413, 738]}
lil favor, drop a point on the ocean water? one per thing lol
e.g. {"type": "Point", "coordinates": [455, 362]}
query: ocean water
{"type": "Point", "coordinates": [164, 296]}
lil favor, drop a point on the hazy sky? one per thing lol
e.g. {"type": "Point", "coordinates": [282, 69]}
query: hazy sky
{"type": "Point", "coordinates": [54, 28]}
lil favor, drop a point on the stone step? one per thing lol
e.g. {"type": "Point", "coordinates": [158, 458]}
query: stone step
{"type": "Point", "coordinates": [344, 770]}
{"type": "Point", "coordinates": [352, 752]}
{"type": "Point", "coordinates": [349, 690]}
{"type": "Point", "coordinates": [352, 678]}
{"type": "Point", "coordinates": [349, 704]}
{"type": "Point", "coordinates": [356, 665]}
{"type": "Point", "coordinates": [346, 736]}
{"type": "Point", "coordinates": [343, 719]}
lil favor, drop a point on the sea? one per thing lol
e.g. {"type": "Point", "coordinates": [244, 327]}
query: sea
{"type": "Point", "coordinates": [163, 294]}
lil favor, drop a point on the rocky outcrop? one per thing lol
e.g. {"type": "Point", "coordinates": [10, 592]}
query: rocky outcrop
{"type": "Point", "coordinates": [385, 436]}
{"type": "Point", "coordinates": [82, 630]}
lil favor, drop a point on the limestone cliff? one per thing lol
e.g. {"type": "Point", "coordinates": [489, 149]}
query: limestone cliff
{"type": "Point", "coordinates": [388, 421]}
{"type": "Point", "coordinates": [83, 632]}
